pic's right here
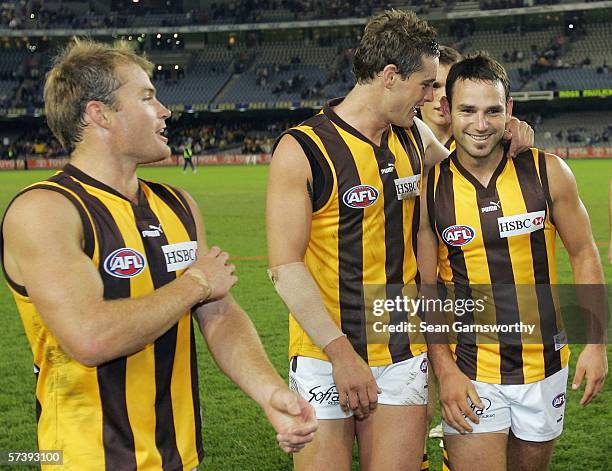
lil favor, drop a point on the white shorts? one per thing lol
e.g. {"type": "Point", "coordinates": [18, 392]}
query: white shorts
{"type": "Point", "coordinates": [402, 384]}
{"type": "Point", "coordinates": [534, 412]}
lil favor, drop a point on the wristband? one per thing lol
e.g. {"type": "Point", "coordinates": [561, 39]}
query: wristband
{"type": "Point", "coordinates": [199, 277]}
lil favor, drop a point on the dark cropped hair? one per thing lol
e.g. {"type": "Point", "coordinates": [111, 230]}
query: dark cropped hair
{"type": "Point", "coordinates": [394, 37]}
{"type": "Point", "coordinates": [478, 67]}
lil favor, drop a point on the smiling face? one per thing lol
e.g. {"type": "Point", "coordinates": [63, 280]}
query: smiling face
{"type": "Point", "coordinates": [431, 111]}
{"type": "Point", "coordinates": [139, 119]}
{"type": "Point", "coordinates": [402, 97]}
{"type": "Point", "coordinates": [479, 115]}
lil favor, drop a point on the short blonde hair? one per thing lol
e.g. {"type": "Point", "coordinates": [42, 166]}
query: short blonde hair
{"type": "Point", "coordinates": [82, 72]}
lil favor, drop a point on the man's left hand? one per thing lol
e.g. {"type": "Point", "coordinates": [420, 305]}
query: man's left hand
{"type": "Point", "coordinates": [592, 363]}
{"type": "Point", "coordinates": [293, 419]}
{"type": "Point", "coordinates": [520, 135]}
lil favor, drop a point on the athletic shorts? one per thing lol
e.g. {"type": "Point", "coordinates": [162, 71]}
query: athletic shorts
{"type": "Point", "coordinates": [402, 384]}
{"type": "Point", "coordinates": [534, 412]}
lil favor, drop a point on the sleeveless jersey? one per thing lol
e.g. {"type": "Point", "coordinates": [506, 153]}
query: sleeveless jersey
{"type": "Point", "coordinates": [140, 411]}
{"type": "Point", "coordinates": [501, 240]}
{"type": "Point", "coordinates": [363, 235]}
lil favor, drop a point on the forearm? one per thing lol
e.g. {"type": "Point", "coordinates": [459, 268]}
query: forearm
{"type": "Point", "coordinates": [237, 350]}
{"type": "Point", "coordinates": [586, 267]}
{"type": "Point", "coordinates": [441, 359]}
{"type": "Point", "coordinates": [114, 328]}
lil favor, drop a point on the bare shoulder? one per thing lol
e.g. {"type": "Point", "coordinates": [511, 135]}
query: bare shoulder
{"type": "Point", "coordinates": [560, 176]}
{"type": "Point", "coordinates": [36, 221]}
{"type": "Point", "coordinates": [41, 208]}
{"type": "Point", "coordinates": [289, 154]}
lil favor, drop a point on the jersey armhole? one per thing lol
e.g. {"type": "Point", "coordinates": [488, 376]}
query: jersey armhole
{"type": "Point", "coordinates": [88, 230]}
{"type": "Point", "coordinates": [544, 181]}
{"type": "Point", "coordinates": [322, 178]}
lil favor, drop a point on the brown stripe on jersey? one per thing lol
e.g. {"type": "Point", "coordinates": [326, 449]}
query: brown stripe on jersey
{"type": "Point", "coordinates": [164, 346]}
{"type": "Point", "coordinates": [431, 207]}
{"type": "Point", "coordinates": [414, 156]}
{"type": "Point", "coordinates": [394, 251]}
{"type": "Point", "coordinates": [350, 236]}
{"type": "Point", "coordinates": [504, 296]}
{"type": "Point", "coordinates": [117, 433]}
{"type": "Point", "coordinates": [38, 404]}
{"type": "Point", "coordinates": [177, 202]}
{"type": "Point", "coordinates": [465, 351]}
{"type": "Point", "coordinates": [322, 186]}
{"type": "Point", "coordinates": [535, 200]}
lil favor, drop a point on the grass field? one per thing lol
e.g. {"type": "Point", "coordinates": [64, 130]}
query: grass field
{"type": "Point", "coordinates": [236, 435]}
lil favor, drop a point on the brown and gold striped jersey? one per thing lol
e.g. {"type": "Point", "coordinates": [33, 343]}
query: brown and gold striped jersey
{"type": "Point", "coordinates": [139, 411]}
{"type": "Point", "coordinates": [364, 226]}
{"type": "Point", "coordinates": [501, 238]}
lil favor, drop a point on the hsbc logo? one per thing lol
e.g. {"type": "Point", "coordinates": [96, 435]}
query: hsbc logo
{"type": "Point", "coordinates": [360, 196]}
{"type": "Point", "coordinates": [458, 235]}
{"type": "Point", "coordinates": [521, 223]}
{"type": "Point", "coordinates": [558, 401]}
{"type": "Point", "coordinates": [408, 187]}
{"type": "Point", "coordinates": [124, 263]}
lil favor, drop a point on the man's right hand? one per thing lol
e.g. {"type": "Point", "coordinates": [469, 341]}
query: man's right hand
{"type": "Point", "coordinates": [455, 388]}
{"type": "Point", "coordinates": [217, 273]}
{"type": "Point", "coordinates": [357, 388]}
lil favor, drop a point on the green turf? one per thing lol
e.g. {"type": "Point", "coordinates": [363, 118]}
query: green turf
{"type": "Point", "coordinates": [236, 435]}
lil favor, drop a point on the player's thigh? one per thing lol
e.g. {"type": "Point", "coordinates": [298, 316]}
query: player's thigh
{"type": "Point", "coordinates": [477, 451]}
{"type": "Point", "coordinates": [392, 438]}
{"type": "Point", "coordinates": [331, 448]}
{"type": "Point", "coordinates": [529, 456]}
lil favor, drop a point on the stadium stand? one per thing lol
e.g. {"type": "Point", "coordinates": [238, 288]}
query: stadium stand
{"type": "Point", "coordinates": [287, 69]}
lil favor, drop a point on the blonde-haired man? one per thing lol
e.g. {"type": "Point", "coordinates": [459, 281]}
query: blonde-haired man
{"type": "Point", "coordinates": [105, 269]}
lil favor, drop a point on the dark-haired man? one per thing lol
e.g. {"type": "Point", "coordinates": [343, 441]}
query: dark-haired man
{"type": "Point", "coordinates": [493, 222]}
{"type": "Point", "coordinates": [342, 217]}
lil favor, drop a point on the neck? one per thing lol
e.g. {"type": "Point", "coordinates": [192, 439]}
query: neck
{"type": "Point", "coordinates": [442, 133]}
{"type": "Point", "coordinates": [360, 110]}
{"type": "Point", "coordinates": [481, 167]}
{"type": "Point", "coordinates": [112, 170]}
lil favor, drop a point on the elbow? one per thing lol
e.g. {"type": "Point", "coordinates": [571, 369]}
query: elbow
{"type": "Point", "coordinates": [86, 350]}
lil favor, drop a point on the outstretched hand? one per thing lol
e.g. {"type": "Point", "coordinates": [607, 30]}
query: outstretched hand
{"type": "Point", "coordinates": [293, 419]}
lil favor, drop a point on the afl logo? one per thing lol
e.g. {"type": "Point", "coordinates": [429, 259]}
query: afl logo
{"type": "Point", "coordinates": [360, 196]}
{"type": "Point", "coordinates": [458, 235]}
{"type": "Point", "coordinates": [559, 400]}
{"type": "Point", "coordinates": [124, 263]}
{"type": "Point", "coordinates": [424, 365]}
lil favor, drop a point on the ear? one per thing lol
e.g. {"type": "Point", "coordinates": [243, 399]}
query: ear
{"type": "Point", "coordinates": [509, 106]}
{"type": "Point", "coordinates": [98, 113]}
{"type": "Point", "coordinates": [389, 75]}
{"type": "Point", "coordinates": [445, 108]}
